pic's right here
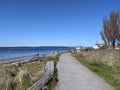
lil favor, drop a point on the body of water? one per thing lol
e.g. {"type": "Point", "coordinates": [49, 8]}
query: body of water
{"type": "Point", "coordinates": [14, 52]}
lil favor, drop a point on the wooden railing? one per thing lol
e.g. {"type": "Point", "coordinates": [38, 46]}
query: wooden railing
{"type": "Point", "coordinates": [49, 70]}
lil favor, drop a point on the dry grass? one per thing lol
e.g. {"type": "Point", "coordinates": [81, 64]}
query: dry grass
{"type": "Point", "coordinates": [20, 78]}
{"type": "Point", "coordinates": [106, 57]}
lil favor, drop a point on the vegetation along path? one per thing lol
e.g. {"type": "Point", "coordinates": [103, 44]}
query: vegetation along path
{"type": "Point", "coordinates": [74, 76]}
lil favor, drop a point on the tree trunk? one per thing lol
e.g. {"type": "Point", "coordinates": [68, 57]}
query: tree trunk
{"type": "Point", "coordinates": [113, 44]}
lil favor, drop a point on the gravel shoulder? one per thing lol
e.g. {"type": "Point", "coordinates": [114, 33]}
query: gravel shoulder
{"type": "Point", "coordinates": [74, 76]}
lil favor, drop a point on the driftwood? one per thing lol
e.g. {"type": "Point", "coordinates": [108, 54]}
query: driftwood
{"type": "Point", "coordinates": [49, 70]}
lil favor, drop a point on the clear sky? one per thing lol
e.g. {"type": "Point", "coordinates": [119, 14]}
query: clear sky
{"type": "Point", "coordinates": [53, 22]}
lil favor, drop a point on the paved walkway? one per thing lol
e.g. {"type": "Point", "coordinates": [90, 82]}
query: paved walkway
{"type": "Point", "coordinates": [74, 76]}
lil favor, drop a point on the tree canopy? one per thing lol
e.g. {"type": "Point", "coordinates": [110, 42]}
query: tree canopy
{"type": "Point", "coordinates": [111, 29]}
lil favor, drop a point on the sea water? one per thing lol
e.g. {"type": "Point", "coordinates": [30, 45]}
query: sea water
{"type": "Point", "coordinates": [14, 52]}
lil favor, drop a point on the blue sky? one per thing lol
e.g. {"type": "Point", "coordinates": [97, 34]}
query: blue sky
{"type": "Point", "coordinates": [53, 22]}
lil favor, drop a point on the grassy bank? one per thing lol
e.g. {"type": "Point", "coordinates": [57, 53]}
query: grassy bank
{"type": "Point", "coordinates": [102, 65]}
{"type": "Point", "coordinates": [20, 77]}
{"type": "Point", "coordinates": [23, 76]}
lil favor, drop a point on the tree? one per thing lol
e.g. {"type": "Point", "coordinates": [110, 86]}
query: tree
{"type": "Point", "coordinates": [111, 29]}
{"type": "Point", "coordinates": [105, 33]}
{"type": "Point", "coordinates": [103, 37]}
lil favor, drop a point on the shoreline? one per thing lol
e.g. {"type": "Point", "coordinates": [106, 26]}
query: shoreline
{"type": "Point", "coordinates": [27, 58]}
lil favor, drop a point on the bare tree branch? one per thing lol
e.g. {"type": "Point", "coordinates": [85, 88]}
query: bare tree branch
{"type": "Point", "coordinates": [111, 29]}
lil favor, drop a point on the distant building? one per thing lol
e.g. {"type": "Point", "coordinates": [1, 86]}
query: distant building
{"type": "Point", "coordinates": [97, 46]}
{"type": "Point", "coordinates": [117, 47]}
{"type": "Point", "coordinates": [79, 48]}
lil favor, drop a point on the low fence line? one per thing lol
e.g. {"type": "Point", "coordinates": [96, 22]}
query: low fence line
{"type": "Point", "coordinates": [49, 70]}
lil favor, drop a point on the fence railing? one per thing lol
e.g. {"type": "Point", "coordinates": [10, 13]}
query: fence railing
{"type": "Point", "coordinates": [49, 70]}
